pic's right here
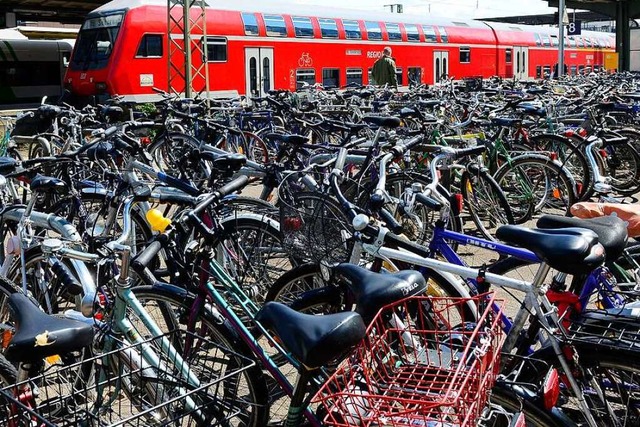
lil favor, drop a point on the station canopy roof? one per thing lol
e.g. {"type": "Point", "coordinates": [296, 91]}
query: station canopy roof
{"type": "Point", "coordinates": [63, 11]}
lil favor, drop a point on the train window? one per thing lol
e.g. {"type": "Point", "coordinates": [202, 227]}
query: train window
{"type": "Point", "coordinates": [373, 30]}
{"type": "Point", "coordinates": [508, 56]}
{"type": "Point", "coordinates": [581, 69]}
{"type": "Point", "coordinates": [302, 26]}
{"type": "Point", "coordinates": [393, 31]}
{"type": "Point", "coordinates": [25, 73]}
{"type": "Point", "coordinates": [266, 74]}
{"type": "Point", "coordinates": [574, 70]}
{"type": "Point", "coordinates": [216, 49]}
{"type": "Point", "coordinates": [539, 72]}
{"type": "Point", "coordinates": [399, 75]}
{"type": "Point", "coordinates": [572, 42]}
{"type": "Point", "coordinates": [545, 40]}
{"type": "Point", "coordinates": [465, 55]}
{"type": "Point", "coordinates": [554, 40]}
{"type": "Point", "coordinates": [253, 74]}
{"type": "Point", "coordinates": [461, 24]}
{"type": "Point", "coordinates": [305, 75]}
{"type": "Point", "coordinates": [546, 71]}
{"type": "Point", "coordinates": [329, 28]}
{"type": "Point", "coordinates": [538, 40]}
{"type": "Point", "coordinates": [444, 38]}
{"type": "Point", "coordinates": [150, 46]}
{"type": "Point", "coordinates": [415, 76]}
{"type": "Point", "coordinates": [371, 80]}
{"type": "Point", "coordinates": [580, 42]}
{"type": "Point", "coordinates": [331, 77]}
{"type": "Point", "coordinates": [250, 24]}
{"type": "Point", "coordinates": [352, 29]}
{"type": "Point", "coordinates": [429, 34]}
{"type": "Point", "coordinates": [412, 32]}
{"type": "Point", "coordinates": [275, 25]}
{"type": "Point", "coordinates": [354, 76]}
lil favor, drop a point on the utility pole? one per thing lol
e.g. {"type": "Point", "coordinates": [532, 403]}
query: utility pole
{"type": "Point", "coordinates": [561, 19]}
{"type": "Point", "coordinates": [187, 40]}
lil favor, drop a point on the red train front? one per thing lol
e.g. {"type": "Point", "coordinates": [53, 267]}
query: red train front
{"type": "Point", "coordinates": [123, 48]}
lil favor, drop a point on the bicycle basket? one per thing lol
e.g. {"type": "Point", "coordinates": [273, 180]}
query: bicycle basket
{"type": "Point", "coordinates": [421, 364]}
{"type": "Point", "coordinates": [313, 224]}
{"type": "Point", "coordinates": [119, 388]}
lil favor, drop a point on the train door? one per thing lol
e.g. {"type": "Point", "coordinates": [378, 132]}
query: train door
{"type": "Point", "coordinates": [258, 71]}
{"type": "Point", "coordinates": [440, 65]}
{"type": "Point", "coordinates": [521, 62]}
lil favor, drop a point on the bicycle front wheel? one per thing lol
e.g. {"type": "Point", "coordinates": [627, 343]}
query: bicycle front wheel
{"type": "Point", "coordinates": [241, 397]}
{"type": "Point", "coordinates": [535, 185]}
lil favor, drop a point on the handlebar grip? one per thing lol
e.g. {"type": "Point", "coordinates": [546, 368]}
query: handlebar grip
{"type": "Point", "coordinates": [390, 221]}
{"type": "Point", "coordinates": [144, 258]}
{"type": "Point", "coordinates": [616, 141]}
{"type": "Point", "coordinates": [401, 148]}
{"type": "Point", "coordinates": [428, 202]}
{"type": "Point", "coordinates": [110, 131]}
{"type": "Point", "coordinates": [62, 272]}
{"type": "Point", "coordinates": [464, 152]}
{"type": "Point", "coordinates": [223, 191]}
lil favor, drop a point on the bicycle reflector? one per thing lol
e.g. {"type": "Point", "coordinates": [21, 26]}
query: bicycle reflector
{"type": "Point", "coordinates": [551, 389]}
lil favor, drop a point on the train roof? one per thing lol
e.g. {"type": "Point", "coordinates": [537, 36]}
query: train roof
{"type": "Point", "coordinates": [501, 26]}
{"type": "Point", "coordinates": [11, 34]}
{"type": "Point", "coordinates": [278, 7]}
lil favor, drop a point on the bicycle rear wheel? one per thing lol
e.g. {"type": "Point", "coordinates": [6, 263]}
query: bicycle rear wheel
{"type": "Point", "coordinates": [485, 200]}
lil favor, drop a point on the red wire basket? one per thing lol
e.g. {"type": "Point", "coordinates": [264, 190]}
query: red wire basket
{"type": "Point", "coordinates": [422, 364]}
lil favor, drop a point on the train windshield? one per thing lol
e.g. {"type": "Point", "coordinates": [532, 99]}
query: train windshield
{"type": "Point", "coordinates": [96, 40]}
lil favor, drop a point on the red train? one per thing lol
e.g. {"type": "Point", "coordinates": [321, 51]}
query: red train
{"type": "Point", "coordinates": [253, 46]}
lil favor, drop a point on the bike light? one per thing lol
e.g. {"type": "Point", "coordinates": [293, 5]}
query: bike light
{"type": "Point", "coordinates": [569, 133]}
{"type": "Point", "coordinates": [458, 202]}
{"type": "Point", "coordinates": [292, 223]}
{"type": "Point", "coordinates": [551, 389]}
{"type": "Point", "coordinates": [557, 194]}
{"type": "Point", "coordinates": [553, 156]}
{"type": "Point", "coordinates": [582, 132]}
{"type": "Point", "coordinates": [603, 153]}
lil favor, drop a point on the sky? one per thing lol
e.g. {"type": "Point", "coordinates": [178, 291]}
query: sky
{"type": "Point", "coordinates": [471, 9]}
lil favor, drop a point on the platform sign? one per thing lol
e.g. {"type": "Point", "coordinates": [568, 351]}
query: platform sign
{"type": "Point", "coordinates": [574, 28]}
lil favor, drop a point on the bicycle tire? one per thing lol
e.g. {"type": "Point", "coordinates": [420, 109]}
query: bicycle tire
{"type": "Point", "coordinates": [304, 287]}
{"type": "Point", "coordinates": [602, 362]}
{"type": "Point", "coordinates": [250, 248]}
{"type": "Point", "coordinates": [170, 309]}
{"type": "Point", "coordinates": [534, 416]}
{"type": "Point", "coordinates": [623, 157]}
{"type": "Point", "coordinates": [485, 201]}
{"type": "Point", "coordinates": [569, 156]}
{"type": "Point", "coordinates": [538, 182]}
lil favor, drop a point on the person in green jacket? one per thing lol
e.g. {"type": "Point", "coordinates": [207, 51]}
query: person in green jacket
{"type": "Point", "coordinates": [384, 70]}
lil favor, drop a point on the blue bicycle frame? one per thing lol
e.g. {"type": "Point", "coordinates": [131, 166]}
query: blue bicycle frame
{"type": "Point", "coordinates": [597, 281]}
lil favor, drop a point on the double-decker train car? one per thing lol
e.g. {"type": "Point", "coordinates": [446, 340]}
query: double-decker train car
{"type": "Point", "coordinates": [253, 47]}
